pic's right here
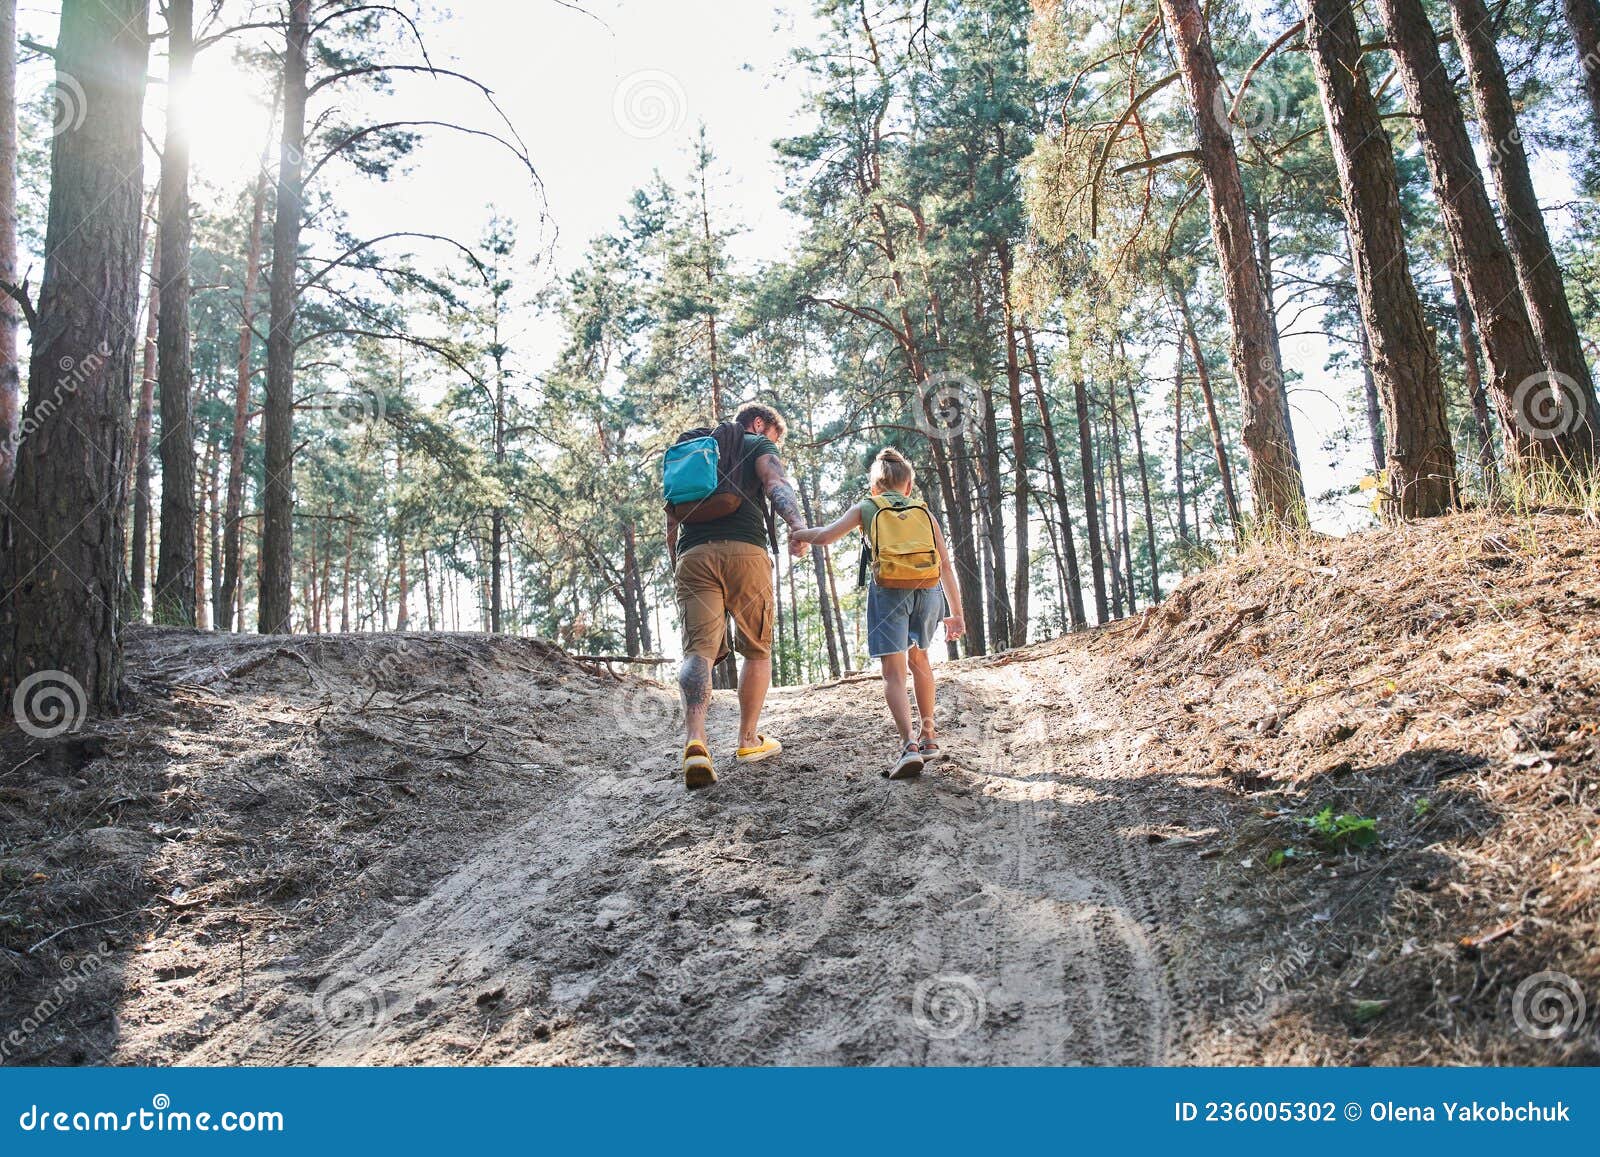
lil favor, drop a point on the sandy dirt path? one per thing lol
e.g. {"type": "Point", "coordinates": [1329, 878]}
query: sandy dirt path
{"type": "Point", "coordinates": [1003, 909]}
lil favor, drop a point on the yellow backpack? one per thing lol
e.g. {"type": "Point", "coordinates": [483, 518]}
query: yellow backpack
{"type": "Point", "coordinates": [899, 533]}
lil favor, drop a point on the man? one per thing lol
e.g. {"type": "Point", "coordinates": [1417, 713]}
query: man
{"type": "Point", "coordinates": [721, 568]}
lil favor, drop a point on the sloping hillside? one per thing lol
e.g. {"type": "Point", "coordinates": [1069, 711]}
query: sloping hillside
{"type": "Point", "coordinates": [1148, 844]}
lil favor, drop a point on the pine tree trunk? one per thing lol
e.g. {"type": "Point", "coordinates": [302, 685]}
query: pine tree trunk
{"type": "Point", "coordinates": [995, 510]}
{"type": "Point", "coordinates": [646, 639]}
{"type": "Point", "coordinates": [633, 625]}
{"type": "Point", "coordinates": [349, 552]}
{"type": "Point", "coordinates": [1369, 389]}
{"type": "Point", "coordinates": [936, 507]}
{"type": "Point", "coordinates": [838, 613]}
{"type": "Point", "coordinates": [1421, 464]}
{"type": "Point", "coordinates": [955, 483]}
{"type": "Point", "coordinates": [497, 516]}
{"type": "Point", "coordinates": [1063, 625]}
{"type": "Point", "coordinates": [427, 589]}
{"type": "Point", "coordinates": [1177, 443]}
{"type": "Point", "coordinates": [1263, 227]}
{"type": "Point", "coordinates": [238, 606]}
{"type": "Point", "coordinates": [1562, 409]}
{"type": "Point", "coordinates": [511, 587]}
{"type": "Point", "coordinates": [481, 549]}
{"type": "Point", "coordinates": [824, 602]}
{"type": "Point", "coordinates": [794, 626]}
{"type": "Point", "coordinates": [1482, 430]}
{"type": "Point", "coordinates": [963, 485]}
{"type": "Point", "coordinates": [779, 660]}
{"type": "Point", "coordinates": [1058, 480]}
{"type": "Point", "coordinates": [309, 591]}
{"type": "Point", "coordinates": [277, 420]}
{"type": "Point", "coordinates": [402, 612]}
{"type": "Point", "coordinates": [1108, 524]}
{"type": "Point", "coordinates": [61, 613]}
{"type": "Point", "coordinates": [402, 619]}
{"type": "Point", "coordinates": [199, 530]}
{"type": "Point", "coordinates": [1583, 17]}
{"type": "Point", "coordinates": [1480, 256]}
{"type": "Point", "coordinates": [1120, 473]}
{"type": "Point", "coordinates": [1021, 577]}
{"type": "Point", "coordinates": [497, 530]}
{"type": "Point", "coordinates": [10, 314]}
{"type": "Point", "coordinates": [219, 608]}
{"type": "Point", "coordinates": [951, 460]}
{"type": "Point", "coordinates": [327, 574]}
{"type": "Point", "coordinates": [1195, 521]}
{"type": "Point", "coordinates": [1091, 506]}
{"type": "Point", "coordinates": [144, 427]}
{"type": "Point", "coordinates": [1274, 477]}
{"type": "Point", "coordinates": [232, 528]}
{"type": "Point", "coordinates": [172, 602]}
{"type": "Point", "coordinates": [1219, 445]}
{"type": "Point", "coordinates": [1144, 489]}
{"type": "Point", "coordinates": [725, 675]}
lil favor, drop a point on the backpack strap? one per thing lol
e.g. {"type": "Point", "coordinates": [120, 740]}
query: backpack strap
{"type": "Point", "coordinates": [870, 505]}
{"type": "Point", "coordinates": [733, 459]}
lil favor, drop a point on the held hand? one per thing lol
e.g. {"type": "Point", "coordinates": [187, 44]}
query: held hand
{"type": "Point", "coordinates": [954, 627]}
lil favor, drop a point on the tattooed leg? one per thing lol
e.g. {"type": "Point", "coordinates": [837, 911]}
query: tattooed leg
{"type": "Point", "coordinates": [694, 681]}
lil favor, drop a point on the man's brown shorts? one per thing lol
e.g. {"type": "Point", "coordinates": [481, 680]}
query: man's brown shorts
{"type": "Point", "coordinates": [717, 579]}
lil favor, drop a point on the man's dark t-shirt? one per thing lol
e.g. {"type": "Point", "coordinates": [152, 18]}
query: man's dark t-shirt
{"type": "Point", "coordinates": [749, 522]}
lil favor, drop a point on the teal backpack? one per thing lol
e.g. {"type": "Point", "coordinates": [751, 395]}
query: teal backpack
{"type": "Point", "coordinates": [699, 473]}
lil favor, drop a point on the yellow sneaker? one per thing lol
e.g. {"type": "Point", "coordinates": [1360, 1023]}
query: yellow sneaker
{"type": "Point", "coordinates": [698, 770]}
{"type": "Point", "coordinates": [765, 748]}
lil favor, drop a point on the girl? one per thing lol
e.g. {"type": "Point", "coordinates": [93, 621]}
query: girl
{"type": "Point", "coordinates": [911, 580]}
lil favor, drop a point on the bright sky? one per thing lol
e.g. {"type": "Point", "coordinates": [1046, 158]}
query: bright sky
{"type": "Point", "coordinates": [601, 102]}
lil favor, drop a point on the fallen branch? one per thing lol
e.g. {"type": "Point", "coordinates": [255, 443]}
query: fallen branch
{"type": "Point", "coordinates": [1231, 627]}
{"type": "Point", "coordinates": [437, 754]}
{"type": "Point", "coordinates": [85, 924]}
